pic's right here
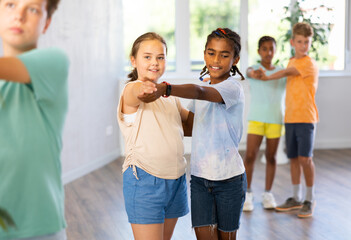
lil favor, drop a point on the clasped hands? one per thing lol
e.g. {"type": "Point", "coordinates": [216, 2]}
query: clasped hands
{"type": "Point", "coordinates": [150, 91]}
{"type": "Point", "coordinates": [258, 74]}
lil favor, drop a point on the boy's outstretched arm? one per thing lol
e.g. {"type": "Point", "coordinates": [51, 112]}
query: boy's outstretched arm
{"type": "Point", "coordinates": [291, 71]}
{"type": "Point", "coordinates": [13, 70]}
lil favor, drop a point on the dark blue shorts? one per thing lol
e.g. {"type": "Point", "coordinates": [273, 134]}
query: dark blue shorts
{"type": "Point", "coordinates": [150, 200]}
{"type": "Point", "coordinates": [217, 202]}
{"type": "Point", "coordinates": [299, 139]}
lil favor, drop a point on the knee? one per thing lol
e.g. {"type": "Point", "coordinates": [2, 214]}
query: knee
{"type": "Point", "coordinates": [305, 161]}
{"type": "Point", "coordinates": [270, 158]}
{"type": "Point", "coordinates": [250, 157]}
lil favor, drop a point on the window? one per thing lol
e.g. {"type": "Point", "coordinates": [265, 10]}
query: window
{"type": "Point", "coordinates": [330, 56]}
{"type": "Point", "coordinates": [206, 16]}
{"type": "Point", "coordinates": [264, 18]}
{"type": "Point", "coordinates": [141, 16]}
{"type": "Point", "coordinates": [185, 25]}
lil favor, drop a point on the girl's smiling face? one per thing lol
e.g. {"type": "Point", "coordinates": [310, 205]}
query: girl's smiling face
{"type": "Point", "coordinates": [219, 58]}
{"type": "Point", "coordinates": [150, 60]}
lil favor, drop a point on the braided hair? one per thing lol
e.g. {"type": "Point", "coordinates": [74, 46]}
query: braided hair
{"type": "Point", "coordinates": [133, 75]}
{"type": "Point", "coordinates": [234, 40]}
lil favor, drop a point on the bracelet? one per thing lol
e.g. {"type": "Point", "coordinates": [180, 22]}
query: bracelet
{"type": "Point", "coordinates": [168, 90]}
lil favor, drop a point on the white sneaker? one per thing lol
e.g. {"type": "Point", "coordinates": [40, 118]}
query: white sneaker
{"type": "Point", "coordinates": [248, 204]}
{"type": "Point", "coordinates": [268, 200]}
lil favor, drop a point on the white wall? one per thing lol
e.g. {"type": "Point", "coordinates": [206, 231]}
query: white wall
{"type": "Point", "coordinates": [92, 39]}
{"type": "Point", "coordinates": [333, 100]}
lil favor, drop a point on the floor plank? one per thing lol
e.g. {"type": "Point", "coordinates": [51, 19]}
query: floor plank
{"type": "Point", "coordinates": [95, 208]}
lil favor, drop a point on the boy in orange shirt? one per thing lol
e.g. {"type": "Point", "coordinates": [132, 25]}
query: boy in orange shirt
{"type": "Point", "coordinates": [301, 115]}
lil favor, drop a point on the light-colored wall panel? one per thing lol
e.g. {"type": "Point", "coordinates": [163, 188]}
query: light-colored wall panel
{"type": "Point", "coordinates": [92, 38]}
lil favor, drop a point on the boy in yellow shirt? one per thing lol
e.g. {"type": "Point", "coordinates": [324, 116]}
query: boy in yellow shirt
{"type": "Point", "coordinates": [301, 116]}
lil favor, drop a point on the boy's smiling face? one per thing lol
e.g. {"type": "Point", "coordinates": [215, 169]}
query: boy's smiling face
{"type": "Point", "coordinates": [21, 24]}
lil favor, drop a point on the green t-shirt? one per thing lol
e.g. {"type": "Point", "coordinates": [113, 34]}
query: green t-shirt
{"type": "Point", "coordinates": [267, 98]}
{"type": "Point", "coordinates": [31, 123]}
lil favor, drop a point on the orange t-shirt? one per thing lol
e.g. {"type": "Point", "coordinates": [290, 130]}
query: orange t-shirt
{"type": "Point", "coordinates": [300, 104]}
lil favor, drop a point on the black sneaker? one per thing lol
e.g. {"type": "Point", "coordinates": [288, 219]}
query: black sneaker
{"type": "Point", "coordinates": [290, 204]}
{"type": "Point", "coordinates": [306, 210]}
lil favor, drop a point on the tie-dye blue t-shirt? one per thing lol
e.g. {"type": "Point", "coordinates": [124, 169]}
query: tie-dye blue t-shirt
{"type": "Point", "coordinates": [217, 132]}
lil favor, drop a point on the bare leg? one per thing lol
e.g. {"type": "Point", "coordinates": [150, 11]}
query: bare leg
{"type": "Point", "coordinates": [252, 147]}
{"type": "Point", "coordinates": [271, 163]}
{"type": "Point", "coordinates": [148, 231]}
{"type": "Point", "coordinates": [227, 235]}
{"type": "Point", "coordinates": [206, 233]}
{"type": "Point", "coordinates": [295, 169]}
{"type": "Point", "coordinates": [308, 169]}
{"type": "Point", "coordinates": [169, 226]}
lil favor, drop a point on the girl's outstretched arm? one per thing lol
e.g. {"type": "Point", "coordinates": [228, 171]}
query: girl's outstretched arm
{"type": "Point", "coordinates": [192, 91]}
{"type": "Point", "coordinates": [131, 93]}
{"type": "Point", "coordinates": [252, 73]}
{"type": "Point", "coordinates": [13, 70]}
{"type": "Point", "coordinates": [187, 117]}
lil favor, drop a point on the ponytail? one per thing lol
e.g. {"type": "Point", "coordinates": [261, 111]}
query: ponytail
{"type": "Point", "coordinates": [133, 75]}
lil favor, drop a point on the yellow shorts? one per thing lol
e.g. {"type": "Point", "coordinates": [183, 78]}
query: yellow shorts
{"type": "Point", "coordinates": [269, 130]}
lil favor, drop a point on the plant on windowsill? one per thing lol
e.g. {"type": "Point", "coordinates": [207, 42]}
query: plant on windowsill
{"type": "Point", "coordinates": [295, 14]}
{"type": "Point", "coordinates": [5, 220]}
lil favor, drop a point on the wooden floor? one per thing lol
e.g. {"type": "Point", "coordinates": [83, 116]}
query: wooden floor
{"type": "Point", "coordinates": [95, 207]}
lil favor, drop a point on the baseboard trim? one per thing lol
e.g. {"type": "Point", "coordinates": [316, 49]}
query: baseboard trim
{"type": "Point", "coordinates": [333, 144]}
{"type": "Point", "coordinates": [319, 144]}
{"type": "Point", "coordinates": [81, 171]}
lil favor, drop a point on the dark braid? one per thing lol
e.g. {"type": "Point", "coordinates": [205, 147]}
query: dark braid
{"type": "Point", "coordinates": [235, 70]}
{"type": "Point", "coordinates": [204, 72]}
{"type": "Point", "coordinates": [234, 42]}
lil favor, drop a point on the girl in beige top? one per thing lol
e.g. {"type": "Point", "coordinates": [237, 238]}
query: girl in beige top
{"type": "Point", "coordinates": [154, 184]}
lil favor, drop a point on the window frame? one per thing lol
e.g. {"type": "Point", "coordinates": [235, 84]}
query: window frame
{"type": "Point", "coordinates": [182, 35]}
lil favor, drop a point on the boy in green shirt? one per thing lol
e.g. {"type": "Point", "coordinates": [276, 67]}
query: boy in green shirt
{"type": "Point", "coordinates": [33, 106]}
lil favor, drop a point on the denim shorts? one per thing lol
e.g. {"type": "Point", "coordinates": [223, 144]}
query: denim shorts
{"type": "Point", "coordinates": [217, 202]}
{"type": "Point", "coordinates": [299, 139]}
{"type": "Point", "coordinates": [150, 200]}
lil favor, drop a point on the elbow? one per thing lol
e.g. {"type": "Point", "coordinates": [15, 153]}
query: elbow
{"type": "Point", "coordinates": [197, 92]}
{"type": "Point", "coordinates": [200, 93]}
